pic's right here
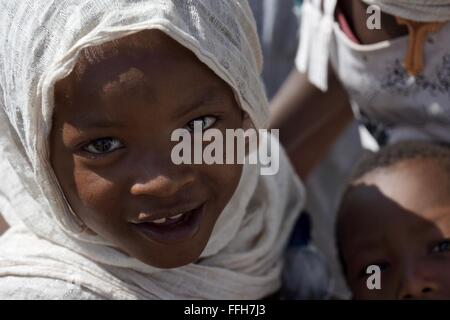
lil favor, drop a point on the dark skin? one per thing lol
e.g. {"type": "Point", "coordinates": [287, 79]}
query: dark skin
{"type": "Point", "coordinates": [399, 219]}
{"type": "Point", "coordinates": [111, 148]}
{"type": "Point", "coordinates": [356, 13]}
{"type": "Point", "coordinates": [310, 119]}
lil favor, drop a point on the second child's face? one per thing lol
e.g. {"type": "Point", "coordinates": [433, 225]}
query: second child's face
{"type": "Point", "coordinates": [111, 150]}
{"type": "Point", "coordinates": [398, 218]}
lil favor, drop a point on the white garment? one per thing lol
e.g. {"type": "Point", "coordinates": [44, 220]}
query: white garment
{"type": "Point", "coordinates": [35, 288]}
{"type": "Point", "coordinates": [39, 44]}
{"type": "Point", "coordinates": [317, 26]}
{"type": "Point", "coordinates": [392, 104]}
{"type": "Point", "coordinates": [315, 36]}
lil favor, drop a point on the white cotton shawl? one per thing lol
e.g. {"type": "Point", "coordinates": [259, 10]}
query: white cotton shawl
{"type": "Point", "coordinates": [317, 22]}
{"type": "Point", "coordinates": [39, 44]}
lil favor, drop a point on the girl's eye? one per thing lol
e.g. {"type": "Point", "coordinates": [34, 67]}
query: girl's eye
{"type": "Point", "coordinates": [441, 247]}
{"type": "Point", "coordinates": [103, 145]}
{"type": "Point", "coordinates": [205, 122]}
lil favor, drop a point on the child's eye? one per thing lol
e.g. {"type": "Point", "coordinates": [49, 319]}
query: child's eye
{"type": "Point", "coordinates": [103, 145]}
{"type": "Point", "coordinates": [206, 122]}
{"type": "Point", "coordinates": [441, 247]}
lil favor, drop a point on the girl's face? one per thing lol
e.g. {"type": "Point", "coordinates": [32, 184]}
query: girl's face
{"type": "Point", "coordinates": [111, 147]}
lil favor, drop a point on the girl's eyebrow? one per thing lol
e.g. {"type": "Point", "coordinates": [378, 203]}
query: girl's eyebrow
{"type": "Point", "coordinates": [102, 124]}
{"type": "Point", "coordinates": [89, 122]}
{"type": "Point", "coordinates": [207, 95]}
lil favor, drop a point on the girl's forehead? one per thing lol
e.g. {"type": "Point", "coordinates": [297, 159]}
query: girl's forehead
{"type": "Point", "coordinates": [141, 75]}
{"type": "Point", "coordinates": [126, 61]}
{"type": "Point", "coordinates": [133, 47]}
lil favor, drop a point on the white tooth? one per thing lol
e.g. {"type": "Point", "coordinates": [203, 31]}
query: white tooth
{"type": "Point", "coordinates": [176, 217]}
{"type": "Point", "coordinates": [162, 220]}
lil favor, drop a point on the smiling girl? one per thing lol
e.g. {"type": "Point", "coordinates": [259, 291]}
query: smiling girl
{"type": "Point", "coordinates": [96, 206]}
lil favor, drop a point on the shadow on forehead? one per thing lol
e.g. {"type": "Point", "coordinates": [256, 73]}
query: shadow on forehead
{"type": "Point", "coordinates": [98, 65]}
{"type": "Point", "coordinates": [365, 199]}
{"type": "Point", "coordinates": [134, 46]}
{"type": "Point", "coordinates": [367, 216]}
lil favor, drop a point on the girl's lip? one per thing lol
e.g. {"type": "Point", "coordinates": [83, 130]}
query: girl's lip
{"type": "Point", "coordinates": [173, 232]}
{"type": "Point", "coordinates": [155, 215]}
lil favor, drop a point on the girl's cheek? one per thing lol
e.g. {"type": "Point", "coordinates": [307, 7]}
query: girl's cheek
{"type": "Point", "coordinates": [227, 178]}
{"type": "Point", "coordinates": [99, 206]}
{"type": "Point", "coordinates": [438, 271]}
{"type": "Point", "coordinates": [93, 191]}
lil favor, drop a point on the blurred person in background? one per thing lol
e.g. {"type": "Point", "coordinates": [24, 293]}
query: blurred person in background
{"type": "Point", "coordinates": [278, 26]}
{"type": "Point", "coordinates": [394, 78]}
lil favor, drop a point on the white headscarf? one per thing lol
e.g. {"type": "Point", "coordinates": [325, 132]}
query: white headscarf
{"type": "Point", "coordinates": [39, 45]}
{"type": "Point", "coordinates": [317, 27]}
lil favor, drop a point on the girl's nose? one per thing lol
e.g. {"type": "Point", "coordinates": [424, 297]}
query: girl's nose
{"type": "Point", "coordinates": [162, 181]}
{"type": "Point", "coordinates": [416, 284]}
